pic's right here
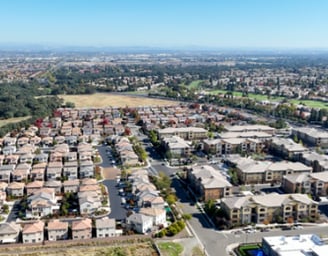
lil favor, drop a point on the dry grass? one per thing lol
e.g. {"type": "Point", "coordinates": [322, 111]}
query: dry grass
{"type": "Point", "coordinates": [137, 249]}
{"type": "Point", "coordinates": [12, 120]}
{"type": "Point", "coordinates": [106, 99]}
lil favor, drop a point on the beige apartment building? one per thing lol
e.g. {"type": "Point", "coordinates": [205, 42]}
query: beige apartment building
{"type": "Point", "coordinates": [269, 208]}
{"type": "Point", "coordinates": [186, 133]}
{"type": "Point", "coordinates": [208, 183]}
{"type": "Point", "coordinates": [251, 171]}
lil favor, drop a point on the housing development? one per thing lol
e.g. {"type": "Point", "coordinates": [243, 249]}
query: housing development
{"type": "Point", "coordinates": [227, 156]}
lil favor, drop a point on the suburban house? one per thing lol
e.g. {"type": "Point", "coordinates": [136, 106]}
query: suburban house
{"type": "Point", "coordinates": [70, 170]}
{"type": "Point", "coordinates": [82, 229]}
{"type": "Point", "coordinates": [41, 158]}
{"type": "Point", "coordinates": [158, 215]}
{"type": "Point", "coordinates": [269, 208]}
{"type": "Point", "coordinates": [33, 232]}
{"type": "Point", "coordinates": [16, 189]}
{"type": "Point", "coordinates": [150, 198]}
{"type": "Point", "coordinates": [9, 232]}
{"type": "Point", "coordinates": [42, 203]}
{"type": "Point", "coordinates": [54, 170]}
{"type": "Point", "coordinates": [89, 202]}
{"type": "Point", "coordinates": [57, 230]}
{"type": "Point", "coordinates": [139, 223]}
{"type": "Point", "coordinates": [5, 172]}
{"type": "Point", "coordinates": [105, 227]}
{"type": "Point", "coordinates": [71, 186]}
{"type": "Point", "coordinates": [86, 169]}
{"type": "Point", "coordinates": [208, 183]}
{"type": "Point", "coordinates": [56, 185]}
{"type": "Point", "coordinates": [38, 171]}
{"type": "Point", "coordinates": [33, 186]}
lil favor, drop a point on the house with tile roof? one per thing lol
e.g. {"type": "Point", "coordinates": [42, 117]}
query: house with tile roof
{"type": "Point", "coordinates": [33, 232]}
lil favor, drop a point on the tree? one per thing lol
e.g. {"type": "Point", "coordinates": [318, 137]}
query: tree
{"type": "Point", "coordinates": [171, 199]}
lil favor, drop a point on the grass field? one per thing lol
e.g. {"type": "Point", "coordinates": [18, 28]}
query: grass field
{"type": "Point", "coordinates": [106, 99]}
{"type": "Point", "coordinates": [12, 120]}
{"type": "Point", "coordinates": [311, 103]}
{"type": "Point", "coordinates": [260, 97]}
{"type": "Point", "coordinates": [170, 249]}
{"type": "Point", "coordinates": [193, 84]}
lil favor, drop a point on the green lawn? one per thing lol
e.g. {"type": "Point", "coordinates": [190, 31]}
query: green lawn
{"type": "Point", "coordinates": [311, 103]}
{"type": "Point", "coordinates": [254, 96]}
{"type": "Point", "coordinates": [170, 249]}
{"type": "Point", "coordinates": [260, 97]}
{"type": "Point", "coordinates": [193, 84]}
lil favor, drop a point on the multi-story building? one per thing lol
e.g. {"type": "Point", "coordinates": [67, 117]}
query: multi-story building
{"type": "Point", "coordinates": [177, 147]}
{"type": "Point", "coordinates": [311, 136]}
{"type": "Point", "coordinates": [250, 171]}
{"type": "Point", "coordinates": [269, 208]}
{"type": "Point", "coordinates": [208, 183]}
{"type": "Point", "coordinates": [313, 183]}
{"type": "Point", "coordinates": [186, 133]}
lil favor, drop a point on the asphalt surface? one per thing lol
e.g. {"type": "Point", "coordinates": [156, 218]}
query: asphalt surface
{"type": "Point", "coordinates": [118, 211]}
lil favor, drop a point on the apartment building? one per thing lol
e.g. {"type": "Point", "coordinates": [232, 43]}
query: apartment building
{"type": "Point", "coordinates": [311, 136]}
{"type": "Point", "coordinates": [251, 171]}
{"type": "Point", "coordinates": [208, 183]}
{"type": "Point", "coordinates": [186, 133]}
{"type": "Point", "coordinates": [269, 208]}
{"type": "Point", "coordinates": [313, 183]}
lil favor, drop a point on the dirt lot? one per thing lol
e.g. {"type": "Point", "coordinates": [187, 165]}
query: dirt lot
{"type": "Point", "coordinates": [110, 173]}
{"type": "Point", "coordinates": [106, 99]}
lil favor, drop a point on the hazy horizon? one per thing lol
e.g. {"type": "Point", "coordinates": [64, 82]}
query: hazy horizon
{"type": "Point", "coordinates": [232, 24]}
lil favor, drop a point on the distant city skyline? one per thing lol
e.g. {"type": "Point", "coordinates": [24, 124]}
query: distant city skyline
{"type": "Point", "coordinates": [166, 23]}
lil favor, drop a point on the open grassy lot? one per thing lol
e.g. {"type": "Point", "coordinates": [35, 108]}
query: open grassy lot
{"type": "Point", "coordinates": [170, 249]}
{"type": "Point", "coordinates": [106, 99]}
{"type": "Point", "coordinates": [12, 120]}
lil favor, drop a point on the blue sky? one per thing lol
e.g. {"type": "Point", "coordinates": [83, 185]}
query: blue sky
{"type": "Point", "coordinates": [166, 23]}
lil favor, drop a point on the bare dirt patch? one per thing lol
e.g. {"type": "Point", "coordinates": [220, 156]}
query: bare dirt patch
{"type": "Point", "coordinates": [105, 99]}
{"type": "Point", "coordinates": [110, 173]}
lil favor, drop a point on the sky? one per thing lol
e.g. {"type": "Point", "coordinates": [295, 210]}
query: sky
{"type": "Point", "coordinates": [166, 23]}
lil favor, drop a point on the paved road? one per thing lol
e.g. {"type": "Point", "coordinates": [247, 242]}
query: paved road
{"type": "Point", "coordinates": [118, 212]}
